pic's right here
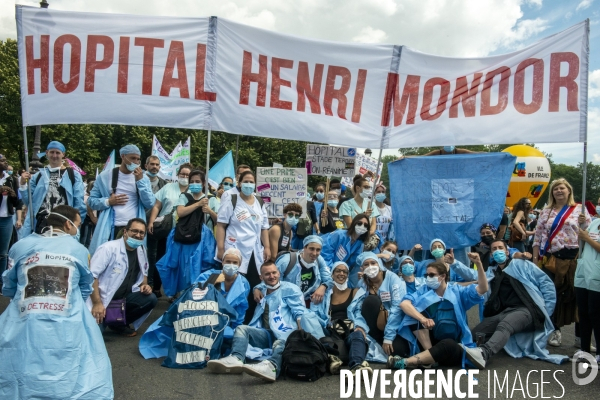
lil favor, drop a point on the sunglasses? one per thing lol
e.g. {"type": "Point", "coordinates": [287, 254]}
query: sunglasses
{"type": "Point", "coordinates": [293, 215]}
{"type": "Point", "coordinates": [430, 275]}
{"type": "Point", "coordinates": [362, 224]}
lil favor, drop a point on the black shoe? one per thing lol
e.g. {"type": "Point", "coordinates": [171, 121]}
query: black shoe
{"type": "Point", "coordinates": [157, 293]}
{"type": "Point", "coordinates": [123, 330]}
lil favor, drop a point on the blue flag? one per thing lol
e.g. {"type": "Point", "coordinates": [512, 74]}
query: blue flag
{"type": "Point", "coordinates": [222, 169]}
{"type": "Point", "coordinates": [448, 197]}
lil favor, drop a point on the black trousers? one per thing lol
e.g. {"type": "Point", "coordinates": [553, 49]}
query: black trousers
{"type": "Point", "coordinates": [588, 307]}
{"type": "Point", "coordinates": [137, 304]}
{"type": "Point", "coordinates": [370, 311]}
{"type": "Point", "coordinates": [253, 278]}
{"type": "Point", "coordinates": [156, 250]}
{"type": "Point", "coordinates": [445, 352]}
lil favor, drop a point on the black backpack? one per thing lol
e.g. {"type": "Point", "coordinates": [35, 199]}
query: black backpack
{"type": "Point", "coordinates": [189, 228]}
{"type": "Point", "coordinates": [291, 263]}
{"type": "Point", "coordinates": [304, 357]}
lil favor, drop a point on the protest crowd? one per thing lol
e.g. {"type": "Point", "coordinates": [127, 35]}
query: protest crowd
{"type": "Point", "coordinates": [324, 287]}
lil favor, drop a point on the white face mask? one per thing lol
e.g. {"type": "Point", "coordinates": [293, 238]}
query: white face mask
{"type": "Point", "coordinates": [183, 181]}
{"type": "Point", "coordinates": [53, 169]}
{"type": "Point", "coordinates": [371, 271]}
{"type": "Point", "coordinates": [341, 286]}
{"type": "Point", "coordinates": [365, 194]}
{"type": "Point", "coordinates": [360, 230]}
{"type": "Point", "coordinates": [388, 254]}
{"type": "Point", "coordinates": [274, 286]}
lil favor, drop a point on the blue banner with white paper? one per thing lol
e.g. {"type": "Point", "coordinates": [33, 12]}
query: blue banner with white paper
{"type": "Point", "coordinates": [448, 197]}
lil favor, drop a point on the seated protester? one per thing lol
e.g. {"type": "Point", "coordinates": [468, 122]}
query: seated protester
{"type": "Point", "coordinates": [488, 235]}
{"type": "Point", "coordinates": [389, 256]}
{"type": "Point", "coordinates": [120, 269]}
{"type": "Point", "coordinates": [280, 235]}
{"type": "Point", "coordinates": [233, 286]}
{"type": "Point", "coordinates": [437, 248]}
{"type": "Point", "coordinates": [375, 309]}
{"type": "Point", "coordinates": [333, 315]}
{"type": "Point", "coordinates": [279, 313]}
{"type": "Point", "coordinates": [156, 341]}
{"type": "Point", "coordinates": [309, 272]}
{"type": "Point", "coordinates": [191, 244]}
{"type": "Point", "coordinates": [407, 273]}
{"type": "Point", "coordinates": [521, 298]}
{"type": "Point", "coordinates": [436, 319]}
{"type": "Point", "coordinates": [330, 215]}
{"type": "Point", "coordinates": [347, 245]}
{"type": "Point", "coordinates": [55, 351]}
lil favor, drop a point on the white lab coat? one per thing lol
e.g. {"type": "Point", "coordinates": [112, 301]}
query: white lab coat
{"type": "Point", "coordinates": [110, 265]}
{"type": "Point", "coordinates": [243, 232]}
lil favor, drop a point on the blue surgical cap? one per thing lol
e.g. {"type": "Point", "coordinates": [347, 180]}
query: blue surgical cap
{"type": "Point", "coordinates": [56, 145]}
{"type": "Point", "coordinates": [130, 149]}
{"type": "Point", "coordinates": [369, 255]}
{"type": "Point", "coordinates": [404, 258]}
{"type": "Point", "coordinates": [437, 240]}
{"type": "Point", "coordinates": [337, 264]}
{"type": "Point", "coordinates": [312, 239]}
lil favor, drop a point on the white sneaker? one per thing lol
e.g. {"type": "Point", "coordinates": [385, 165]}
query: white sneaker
{"type": "Point", "coordinates": [227, 365]}
{"type": "Point", "coordinates": [577, 345]}
{"type": "Point", "coordinates": [334, 365]}
{"type": "Point", "coordinates": [555, 338]}
{"type": "Point", "coordinates": [475, 355]}
{"type": "Point", "coordinates": [263, 370]}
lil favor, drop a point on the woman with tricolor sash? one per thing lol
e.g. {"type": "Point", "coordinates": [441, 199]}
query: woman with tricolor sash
{"type": "Point", "coordinates": [556, 246]}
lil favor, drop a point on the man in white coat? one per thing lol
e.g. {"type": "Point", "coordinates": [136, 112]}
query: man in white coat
{"type": "Point", "coordinates": [120, 270]}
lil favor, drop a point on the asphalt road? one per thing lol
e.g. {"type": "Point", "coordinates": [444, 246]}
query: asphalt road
{"type": "Point", "coordinates": [136, 378]}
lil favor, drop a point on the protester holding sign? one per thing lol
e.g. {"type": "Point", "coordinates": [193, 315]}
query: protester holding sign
{"type": "Point", "coordinates": [556, 244]}
{"type": "Point", "coordinates": [243, 223]}
{"type": "Point", "coordinates": [280, 235]}
{"type": "Point", "coordinates": [360, 204]}
{"type": "Point", "coordinates": [50, 344]}
{"type": "Point", "coordinates": [52, 186]}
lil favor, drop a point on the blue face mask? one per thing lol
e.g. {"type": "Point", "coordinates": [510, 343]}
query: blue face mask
{"type": "Point", "coordinates": [408, 269]}
{"type": "Point", "coordinates": [150, 174]}
{"type": "Point", "coordinates": [230, 269]}
{"type": "Point", "coordinates": [248, 188]}
{"type": "Point", "coordinates": [499, 256]}
{"type": "Point", "coordinates": [195, 187]}
{"type": "Point", "coordinates": [531, 216]}
{"type": "Point", "coordinates": [134, 243]}
{"type": "Point", "coordinates": [448, 149]}
{"type": "Point", "coordinates": [9, 172]}
{"type": "Point", "coordinates": [380, 197]}
{"type": "Point", "coordinates": [132, 167]}
{"type": "Point", "coordinates": [433, 282]}
{"type": "Point", "coordinates": [597, 209]}
{"type": "Point", "coordinates": [332, 203]}
{"type": "Point", "coordinates": [291, 221]}
{"type": "Point", "coordinates": [227, 185]}
{"type": "Point", "coordinates": [320, 196]}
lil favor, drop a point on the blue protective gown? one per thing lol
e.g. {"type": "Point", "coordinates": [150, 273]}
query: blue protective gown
{"type": "Point", "coordinates": [461, 297]}
{"type": "Point", "coordinates": [338, 246]}
{"type": "Point", "coordinates": [97, 201]}
{"type": "Point", "coordinates": [156, 341]}
{"type": "Point", "coordinates": [183, 263]}
{"type": "Point", "coordinates": [40, 189]}
{"type": "Point", "coordinates": [50, 344]}
{"type": "Point", "coordinates": [391, 292]}
{"type": "Point", "coordinates": [543, 293]}
{"type": "Point", "coordinates": [286, 306]}
{"type": "Point", "coordinates": [322, 274]}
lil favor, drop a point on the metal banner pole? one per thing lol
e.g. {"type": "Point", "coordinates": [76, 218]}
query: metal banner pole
{"type": "Point", "coordinates": [207, 159]}
{"type": "Point", "coordinates": [30, 205]}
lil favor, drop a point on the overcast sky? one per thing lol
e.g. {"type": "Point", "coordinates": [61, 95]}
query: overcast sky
{"type": "Point", "coordinates": [455, 28]}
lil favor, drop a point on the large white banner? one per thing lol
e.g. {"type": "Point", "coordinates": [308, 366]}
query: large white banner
{"type": "Point", "coordinates": [205, 73]}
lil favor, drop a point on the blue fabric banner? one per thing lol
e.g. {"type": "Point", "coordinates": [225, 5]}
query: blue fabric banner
{"type": "Point", "coordinates": [448, 197]}
{"type": "Point", "coordinates": [222, 169]}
